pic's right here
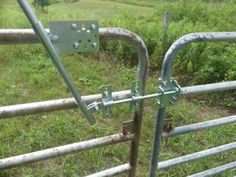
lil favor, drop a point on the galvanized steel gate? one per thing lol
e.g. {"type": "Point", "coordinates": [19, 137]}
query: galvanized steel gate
{"type": "Point", "coordinates": [171, 92]}
{"type": "Point", "coordinates": [168, 94]}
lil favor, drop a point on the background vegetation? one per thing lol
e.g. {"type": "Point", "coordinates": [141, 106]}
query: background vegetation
{"type": "Point", "coordinates": [27, 75]}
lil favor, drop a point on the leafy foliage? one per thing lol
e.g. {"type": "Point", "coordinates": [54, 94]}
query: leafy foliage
{"type": "Point", "coordinates": [196, 63]}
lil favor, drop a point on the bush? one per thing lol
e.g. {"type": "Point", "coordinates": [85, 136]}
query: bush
{"type": "Point", "coordinates": [196, 63]}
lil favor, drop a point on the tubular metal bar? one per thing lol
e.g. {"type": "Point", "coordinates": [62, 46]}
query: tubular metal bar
{"type": "Point", "coordinates": [165, 76]}
{"type": "Point", "coordinates": [216, 170]}
{"type": "Point", "coordinates": [200, 126]}
{"type": "Point", "coordinates": [118, 98]}
{"type": "Point", "coordinates": [141, 78]}
{"type": "Point", "coordinates": [53, 105]}
{"type": "Point", "coordinates": [25, 36]}
{"type": "Point", "coordinates": [196, 156]}
{"type": "Point", "coordinates": [68, 103]}
{"type": "Point", "coordinates": [42, 34]}
{"type": "Point", "coordinates": [197, 89]}
{"type": "Point", "coordinates": [112, 171]}
{"type": "Point", "coordinates": [63, 150]}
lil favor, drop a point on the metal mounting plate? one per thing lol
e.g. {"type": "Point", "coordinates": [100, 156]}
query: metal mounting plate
{"type": "Point", "coordinates": [75, 36]}
{"type": "Point", "coordinates": [170, 92]}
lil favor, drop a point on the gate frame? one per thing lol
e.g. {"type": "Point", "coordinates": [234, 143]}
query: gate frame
{"type": "Point", "coordinates": [27, 36]}
{"type": "Point", "coordinates": [166, 77]}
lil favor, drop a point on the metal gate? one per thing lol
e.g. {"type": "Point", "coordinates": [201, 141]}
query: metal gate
{"type": "Point", "coordinates": [55, 40]}
{"type": "Point", "coordinates": [168, 94]}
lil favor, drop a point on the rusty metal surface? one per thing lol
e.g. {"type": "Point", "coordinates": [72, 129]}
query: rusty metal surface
{"type": "Point", "coordinates": [199, 126]}
{"type": "Point", "coordinates": [27, 36]}
{"type": "Point", "coordinates": [53, 105]}
{"type": "Point", "coordinates": [63, 150]}
{"type": "Point", "coordinates": [18, 36]}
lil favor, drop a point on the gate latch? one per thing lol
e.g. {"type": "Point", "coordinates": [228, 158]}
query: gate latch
{"type": "Point", "coordinates": [170, 92]}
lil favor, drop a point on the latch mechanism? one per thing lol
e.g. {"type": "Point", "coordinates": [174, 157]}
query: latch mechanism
{"type": "Point", "coordinates": [107, 98]}
{"type": "Point", "coordinates": [170, 92]}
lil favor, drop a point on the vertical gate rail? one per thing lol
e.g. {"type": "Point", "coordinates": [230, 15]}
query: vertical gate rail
{"type": "Point", "coordinates": [166, 77]}
{"type": "Point", "coordinates": [27, 36]}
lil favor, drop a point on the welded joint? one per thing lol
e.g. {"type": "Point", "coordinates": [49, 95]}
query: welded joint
{"type": "Point", "coordinates": [169, 92]}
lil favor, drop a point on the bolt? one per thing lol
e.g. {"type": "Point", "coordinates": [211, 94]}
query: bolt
{"type": "Point", "coordinates": [74, 26]}
{"type": "Point", "coordinates": [54, 38]}
{"type": "Point", "coordinates": [93, 26]}
{"type": "Point", "coordinates": [94, 44]}
{"type": "Point", "coordinates": [76, 45]}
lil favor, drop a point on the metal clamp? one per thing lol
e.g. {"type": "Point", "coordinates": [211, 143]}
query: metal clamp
{"type": "Point", "coordinates": [134, 93]}
{"type": "Point", "coordinates": [170, 92]}
{"type": "Point", "coordinates": [107, 98]}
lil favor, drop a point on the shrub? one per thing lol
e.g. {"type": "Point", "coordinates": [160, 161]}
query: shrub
{"type": "Point", "coordinates": [196, 63]}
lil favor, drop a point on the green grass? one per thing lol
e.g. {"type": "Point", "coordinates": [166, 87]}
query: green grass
{"type": "Point", "coordinates": [27, 75]}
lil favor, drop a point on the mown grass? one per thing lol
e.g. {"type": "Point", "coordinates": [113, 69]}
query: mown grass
{"type": "Point", "coordinates": [27, 75]}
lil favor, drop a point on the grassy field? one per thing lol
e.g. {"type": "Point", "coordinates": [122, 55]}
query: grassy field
{"type": "Point", "coordinates": [27, 75]}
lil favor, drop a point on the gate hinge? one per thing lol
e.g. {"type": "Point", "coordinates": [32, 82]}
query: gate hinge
{"type": "Point", "coordinates": [127, 127]}
{"type": "Point", "coordinates": [170, 92]}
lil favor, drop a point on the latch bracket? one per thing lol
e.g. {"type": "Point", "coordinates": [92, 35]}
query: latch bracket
{"type": "Point", "coordinates": [170, 92]}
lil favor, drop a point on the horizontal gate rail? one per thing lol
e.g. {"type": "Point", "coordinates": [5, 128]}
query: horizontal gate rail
{"type": "Point", "coordinates": [215, 170]}
{"type": "Point", "coordinates": [112, 171]}
{"type": "Point", "coordinates": [119, 97]}
{"type": "Point", "coordinates": [206, 88]}
{"type": "Point", "coordinates": [200, 126]}
{"type": "Point", "coordinates": [196, 156]}
{"type": "Point", "coordinates": [63, 150]}
{"type": "Point", "coordinates": [53, 105]}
